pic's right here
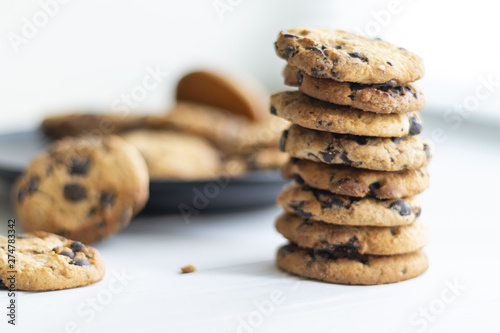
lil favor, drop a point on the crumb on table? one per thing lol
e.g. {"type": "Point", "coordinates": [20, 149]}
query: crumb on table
{"type": "Point", "coordinates": [188, 269]}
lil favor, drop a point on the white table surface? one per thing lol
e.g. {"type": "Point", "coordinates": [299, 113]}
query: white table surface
{"type": "Point", "coordinates": [236, 280]}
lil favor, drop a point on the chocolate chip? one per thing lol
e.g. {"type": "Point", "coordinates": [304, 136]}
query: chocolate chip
{"type": "Point", "coordinates": [359, 56]}
{"type": "Point", "coordinates": [92, 211]}
{"type": "Point", "coordinates": [403, 271]}
{"type": "Point", "coordinates": [327, 156]}
{"type": "Point", "coordinates": [33, 184]}
{"type": "Point", "coordinates": [71, 255]}
{"type": "Point", "coordinates": [329, 124]}
{"type": "Point", "coordinates": [315, 49]}
{"type": "Point", "coordinates": [21, 195]}
{"type": "Point", "coordinates": [345, 159]}
{"type": "Point", "coordinates": [374, 187]}
{"type": "Point", "coordinates": [419, 211]}
{"type": "Point", "coordinates": [397, 140]}
{"type": "Point", "coordinates": [415, 126]}
{"type": "Point", "coordinates": [351, 97]}
{"type": "Point", "coordinates": [415, 95]}
{"type": "Point", "coordinates": [402, 48]}
{"type": "Point", "coordinates": [289, 51]}
{"type": "Point", "coordinates": [273, 110]}
{"type": "Point", "coordinates": [79, 167]}
{"type": "Point", "coordinates": [107, 200]}
{"type": "Point", "coordinates": [80, 262]}
{"type": "Point", "coordinates": [299, 209]}
{"type": "Point", "coordinates": [77, 246]}
{"type": "Point", "coordinates": [427, 150]}
{"type": "Point", "coordinates": [75, 192]}
{"type": "Point", "coordinates": [393, 232]}
{"type": "Point", "coordinates": [390, 63]}
{"type": "Point", "coordinates": [290, 36]}
{"type": "Point", "coordinates": [300, 77]}
{"type": "Point", "coordinates": [338, 47]}
{"type": "Point", "coordinates": [314, 157]}
{"type": "Point", "coordinates": [284, 136]}
{"type": "Point", "coordinates": [402, 207]}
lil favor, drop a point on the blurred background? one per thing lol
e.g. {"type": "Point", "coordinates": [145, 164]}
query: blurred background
{"type": "Point", "coordinates": [62, 55]}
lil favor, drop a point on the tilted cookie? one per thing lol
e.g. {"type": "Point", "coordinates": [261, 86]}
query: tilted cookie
{"type": "Point", "coordinates": [342, 268]}
{"type": "Point", "coordinates": [384, 154]}
{"type": "Point", "coordinates": [388, 97]}
{"type": "Point", "coordinates": [327, 207]}
{"type": "Point", "coordinates": [317, 235]}
{"type": "Point", "coordinates": [44, 261]}
{"type": "Point", "coordinates": [356, 182]}
{"type": "Point", "coordinates": [344, 56]}
{"type": "Point", "coordinates": [176, 155]}
{"type": "Point", "coordinates": [82, 189]}
{"type": "Point", "coordinates": [240, 95]}
{"type": "Point", "coordinates": [308, 112]}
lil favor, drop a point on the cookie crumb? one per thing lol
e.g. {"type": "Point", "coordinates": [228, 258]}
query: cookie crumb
{"type": "Point", "coordinates": [188, 269]}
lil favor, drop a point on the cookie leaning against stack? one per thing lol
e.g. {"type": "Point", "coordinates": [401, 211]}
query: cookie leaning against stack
{"type": "Point", "coordinates": [352, 214]}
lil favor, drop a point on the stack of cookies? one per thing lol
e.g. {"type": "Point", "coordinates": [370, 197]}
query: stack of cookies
{"type": "Point", "coordinates": [351, 215]}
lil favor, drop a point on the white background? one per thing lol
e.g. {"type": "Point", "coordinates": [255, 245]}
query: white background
{"type": "Point", "coordinates": [91, 52]}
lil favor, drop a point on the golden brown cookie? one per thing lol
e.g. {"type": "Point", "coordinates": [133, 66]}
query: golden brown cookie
{"type": "Point", "coordinates": [45, 261]}
{"type": "Point", "coordinates": [352, 239]}
{"type": "Point", "coordinates": [82, 189]}
{"type": "Point", "coordinates": [344, 56]}
{"type": "Point", "coordinates": [384, 154]}
{"type": "Point", "coordinates": [242, 95]}
{"type": "Point", "coordinates": [90, 125]}
{"type": "Point", "coordinates": [345, 180]}
{"type": "Point", "coordinates": [327, 207]}
{"type": "Point", "coordinates": [339, 267]}
{"type": "Point", "coordinates": [176, 155]}
{"type": "Point", "coordinates": [380, 98]}
{"type": "Point", "coordinates": [311, 113]}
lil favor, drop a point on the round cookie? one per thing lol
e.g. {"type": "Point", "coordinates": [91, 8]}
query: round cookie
{"type": "Point", "coordinates": [308, 112]}
{"type": "Point", "coordinates": [384, 154]}
{"type": "Point", "coordinates": [90, 125]}
{"type": "Point", "coordinates": [337, 267]}
{"type": "Point", "coordinates": [46, 261]}
{"type": "Point", "coordinates": [353, 239]}
{"type": "Point", "coordinates": [345, 180]}
{"type": "Point", "coordinates": [327, 207]}
{"type": "Point", "coordinates": [175, 155]}
{"type": "Point", "coordinates": [344, 56]}
{"type": "Point", "coordinates": [243, 95]}
{"type": "Point", "coordinates": [82, 189]}
{"type": "Point", "coordinates": [380, 98]}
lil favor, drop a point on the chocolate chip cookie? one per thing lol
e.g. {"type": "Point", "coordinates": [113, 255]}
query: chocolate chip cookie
{"type": "Point", "coordinates": [317, 235]}
{"type": "Point", "coordinates": [344, 56]}
{"type": "Point", "coordinates": [345, 268]}
{"type": "Point", "coordinates": [384, 154]}
{"type": "Point", "coordinates": [176, 155]}
{"type": "Point", "coordinates": [45, 261]}
{"type": "Point", "coordinates": [308, 112]}
{"type": "Point", "coordinates": [82, 189]}
{"type": "Point", "coordinates": [388, 97]}
{"type": "Point", "coordinates": [345, 180]}
{"type": "Point", "coordinates": [320, 205]}
{"type": "Point", "coordinates": [90, 125]}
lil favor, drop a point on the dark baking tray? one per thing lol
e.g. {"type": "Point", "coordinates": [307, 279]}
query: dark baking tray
{"type": "Point", "coordinates": [254, 189]}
